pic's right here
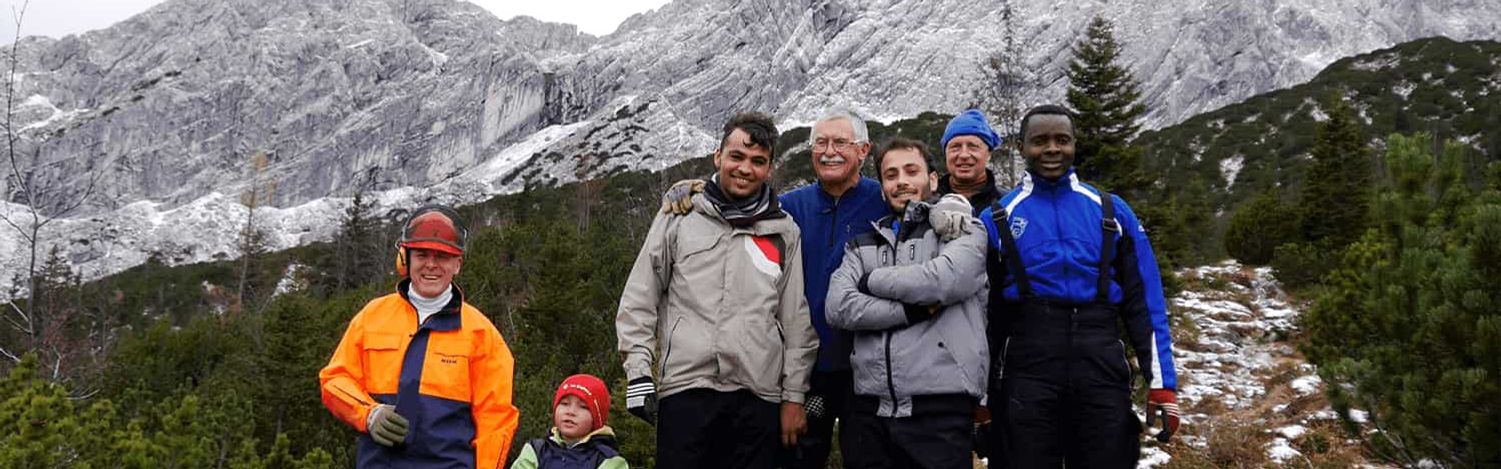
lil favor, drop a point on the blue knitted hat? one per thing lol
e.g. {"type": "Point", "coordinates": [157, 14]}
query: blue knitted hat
{"type": "Point", "coordinates": [971, 122]}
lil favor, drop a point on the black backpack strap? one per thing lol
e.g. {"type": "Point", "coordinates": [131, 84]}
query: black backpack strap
{"type": "Point", "coordinates": [1108, 229]}
{"type": "Point", "coordinates": [1012, 256]}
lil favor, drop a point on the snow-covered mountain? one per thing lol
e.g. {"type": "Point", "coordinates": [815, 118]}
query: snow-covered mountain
{"type": "Point", "coordinates": [438, 99]}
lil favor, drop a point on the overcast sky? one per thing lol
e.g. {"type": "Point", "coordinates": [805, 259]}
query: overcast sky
{"type": "Point", "coordinates": [58, 18]}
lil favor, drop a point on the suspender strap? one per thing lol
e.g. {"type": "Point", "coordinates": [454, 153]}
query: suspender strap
{"type": "Point", "coordinates": [1108, 229]}
{"type": "Point", "coordinates": [1013, 257]}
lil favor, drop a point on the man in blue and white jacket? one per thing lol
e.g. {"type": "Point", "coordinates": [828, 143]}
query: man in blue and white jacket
{"type": "Point", "coordinates": [1073, 260]}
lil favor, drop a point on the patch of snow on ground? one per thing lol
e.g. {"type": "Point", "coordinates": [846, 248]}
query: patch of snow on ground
{"type": "Point", "coordinates": [1279, 450]}
{"type": "Point", "coordinates": [1292, 432]}
{"type": "Point", "coordinates": [290, 281]}
{"type": "Point", "coordinates": [1237, 325]}
{"type": "Point", "coordinates": [1230, 168]}
{"type": "Point", "coordinates": [1306, 385]}
{"type": "Point", "coordinates": [1152, 456]}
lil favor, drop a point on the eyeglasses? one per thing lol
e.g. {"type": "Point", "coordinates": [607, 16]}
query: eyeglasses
{"type": "Point", "coordinates": [837, 144]}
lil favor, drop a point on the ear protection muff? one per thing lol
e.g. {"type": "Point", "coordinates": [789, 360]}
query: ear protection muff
{"type": "Point", "coordinates": [403, 257]}
{"type": "Point", "coordinates": [401, 262]}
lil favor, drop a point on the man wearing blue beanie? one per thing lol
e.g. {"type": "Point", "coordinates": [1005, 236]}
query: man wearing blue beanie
{"type": "Point", "coordinates": [967, 142]}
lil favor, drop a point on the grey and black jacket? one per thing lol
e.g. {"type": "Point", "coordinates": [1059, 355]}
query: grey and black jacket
{"type": "Point", "coordinates": [883, 292]}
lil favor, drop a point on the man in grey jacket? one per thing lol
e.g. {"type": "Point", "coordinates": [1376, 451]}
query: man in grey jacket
{"type": "Point", "coordinates": [714, 309]}
{"type": "Point", "coordinates": [916, 306]}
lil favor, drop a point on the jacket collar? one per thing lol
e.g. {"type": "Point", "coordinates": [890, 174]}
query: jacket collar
{"type": "Point", "coordinates": [945, 186]}
{"type": "Point", "coordinates": [864, 184]}
{"type": "Point", "coordinates": [599, 433]}
{"type": "Point", "coordinates": [1036, 180]}
{"type": "Point", "coordinates": [446, 319]}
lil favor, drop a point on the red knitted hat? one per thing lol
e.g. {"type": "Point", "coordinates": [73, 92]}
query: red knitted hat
{"type": "Point", "coordinates": [594, 393]}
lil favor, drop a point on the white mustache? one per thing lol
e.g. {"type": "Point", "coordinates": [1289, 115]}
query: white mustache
{"type": "Point", "coordinates": [831, 160]}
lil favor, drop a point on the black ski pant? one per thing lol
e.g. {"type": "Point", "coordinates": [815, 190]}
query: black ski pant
{"type": "Point", "coordinates": [813, 447]}
{"type": "Point", "coordinates": [701, 428]}
{"type": "Point", "coordinates": [938, 438]}
{"type": "Point", "coordinates": [1064, 396]}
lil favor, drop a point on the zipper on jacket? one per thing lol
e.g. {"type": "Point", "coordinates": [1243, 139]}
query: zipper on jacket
{"type": "Point", "coordinates": [890, 383]}
{"type": "Point", "coordinates": [667, 351]}
{"type": "Point", "coordinates": [834, 227]}
{"type": "Point", "coordinates": [1001, 369]}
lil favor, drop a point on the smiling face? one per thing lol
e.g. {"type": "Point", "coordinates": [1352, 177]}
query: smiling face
{"type": "Point", "coordinates": [905, 177]}
{"type": "Point", "coordinates": [572, 417]}
{"type": "Point", "coordinates": [1048, 145]}
{"type": "Point", "coordinates": [743, 166]}
{"type": "Point", "coordinates": [432, 271]}
{"type": "Point", "coordinates": [966, 157]}
{"type": "Point", "coordinates": [836, 154]}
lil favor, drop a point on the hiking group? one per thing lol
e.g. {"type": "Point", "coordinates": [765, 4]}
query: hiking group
{"type": "Point", "coordinates": [930, 318]}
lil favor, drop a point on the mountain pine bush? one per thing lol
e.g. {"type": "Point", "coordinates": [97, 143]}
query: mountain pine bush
{"type": "Point", "coordinates": [1409, 326]}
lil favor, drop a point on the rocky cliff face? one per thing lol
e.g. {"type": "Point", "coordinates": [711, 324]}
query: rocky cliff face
{"type": "Point", "coordinates": [423, 99]}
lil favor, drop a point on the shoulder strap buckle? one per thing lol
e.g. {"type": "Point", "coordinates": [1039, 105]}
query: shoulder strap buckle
{"type": "Point", "coordinates": [1110, 224]}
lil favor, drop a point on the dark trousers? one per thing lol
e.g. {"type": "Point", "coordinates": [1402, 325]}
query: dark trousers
{"type": "Point", "coordinates": [701, 428]}
{"type": "Point", "coordinates": [929, 441]}
{"type": "Point", "coordinates": [813, 447]}
{"type": "Point", "coordinates": [1064, 397]}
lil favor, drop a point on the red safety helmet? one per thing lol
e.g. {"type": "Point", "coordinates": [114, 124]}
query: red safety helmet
{"type": "Point", "coordinates": [433, 227]}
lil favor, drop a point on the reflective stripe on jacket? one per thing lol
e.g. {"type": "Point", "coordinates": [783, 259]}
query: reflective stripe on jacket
{"type": "Point", "coordinates": [450, 378]}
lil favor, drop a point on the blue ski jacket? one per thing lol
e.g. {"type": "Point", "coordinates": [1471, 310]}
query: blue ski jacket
{"type": "Point", "coordinates": [1057, 226]}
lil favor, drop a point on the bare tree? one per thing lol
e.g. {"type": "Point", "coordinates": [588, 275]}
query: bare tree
{"type": "Point", "coordinates": [252, 238]}
{"type": "Point", "coordinates": [1001, 96]}
{"type": "Point", "coordinates": [25, 188]}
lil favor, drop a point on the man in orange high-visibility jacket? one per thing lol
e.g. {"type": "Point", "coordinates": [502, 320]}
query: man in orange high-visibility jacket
{"type": "Point", "coordinates": [424, 376]}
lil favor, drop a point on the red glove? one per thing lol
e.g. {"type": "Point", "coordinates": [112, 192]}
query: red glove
{"type": "Point", "coordinates": [1164, 402]}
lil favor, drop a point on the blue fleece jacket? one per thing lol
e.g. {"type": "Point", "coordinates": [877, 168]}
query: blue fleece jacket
{"type": "Point", "coordinates": [827, 224]}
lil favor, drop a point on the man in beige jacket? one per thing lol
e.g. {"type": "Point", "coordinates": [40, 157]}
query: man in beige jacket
{"type": "Point", "coordinates": [714, 310]}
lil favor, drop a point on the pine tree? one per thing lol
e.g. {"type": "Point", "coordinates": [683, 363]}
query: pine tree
{"type": "Point", "coordinates": [357, 246]}
{"type": "Point", "coordinates": [1409, 327]}
{"type": "Point", "coordinates": [1336, 191]}
{"type": "Point", "coordinates": [1105, 98]}
{"type": "Point", "coordinates": [1258, 227]}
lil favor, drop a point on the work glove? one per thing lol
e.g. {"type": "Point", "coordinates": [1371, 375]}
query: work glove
{"type": "Point", "coordinates": [679, 198]}
{"type": "Point", "coordinates": [386, 426]}
{"type": "Point", "coordinates": [951, 217]}
{"type": "Point", "coordinates": [1165, 403]}
{"type": "Point", "coordinates": [641, 399]}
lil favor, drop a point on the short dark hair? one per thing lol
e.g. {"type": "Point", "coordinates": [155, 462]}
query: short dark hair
{"type": "Point", "coordinates": [1045, 109]}
{"type": "Point", "coordinates": [758, 126]}
{"type": "Point", "coordinates": [903, 143]}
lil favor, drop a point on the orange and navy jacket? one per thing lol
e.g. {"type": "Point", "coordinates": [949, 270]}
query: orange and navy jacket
{"type": "Point", "coordinates": [450, 377]}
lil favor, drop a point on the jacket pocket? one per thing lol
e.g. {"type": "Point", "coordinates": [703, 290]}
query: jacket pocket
{"type": "Point", "coordinates": [751, 355]}
{"type": "Point", "coordinates": [445, 373]}
{"type": "Point", "coordinates": [383, 358]}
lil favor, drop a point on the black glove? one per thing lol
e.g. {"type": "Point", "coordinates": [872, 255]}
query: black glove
{"type": "Point", "coordinates": [814, 406]}
{"type": "Point", "coordinates": [641, 399]}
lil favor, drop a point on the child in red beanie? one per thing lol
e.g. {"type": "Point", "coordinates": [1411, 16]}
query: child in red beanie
{"type": "Point", "coordinates": [580, 439]}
